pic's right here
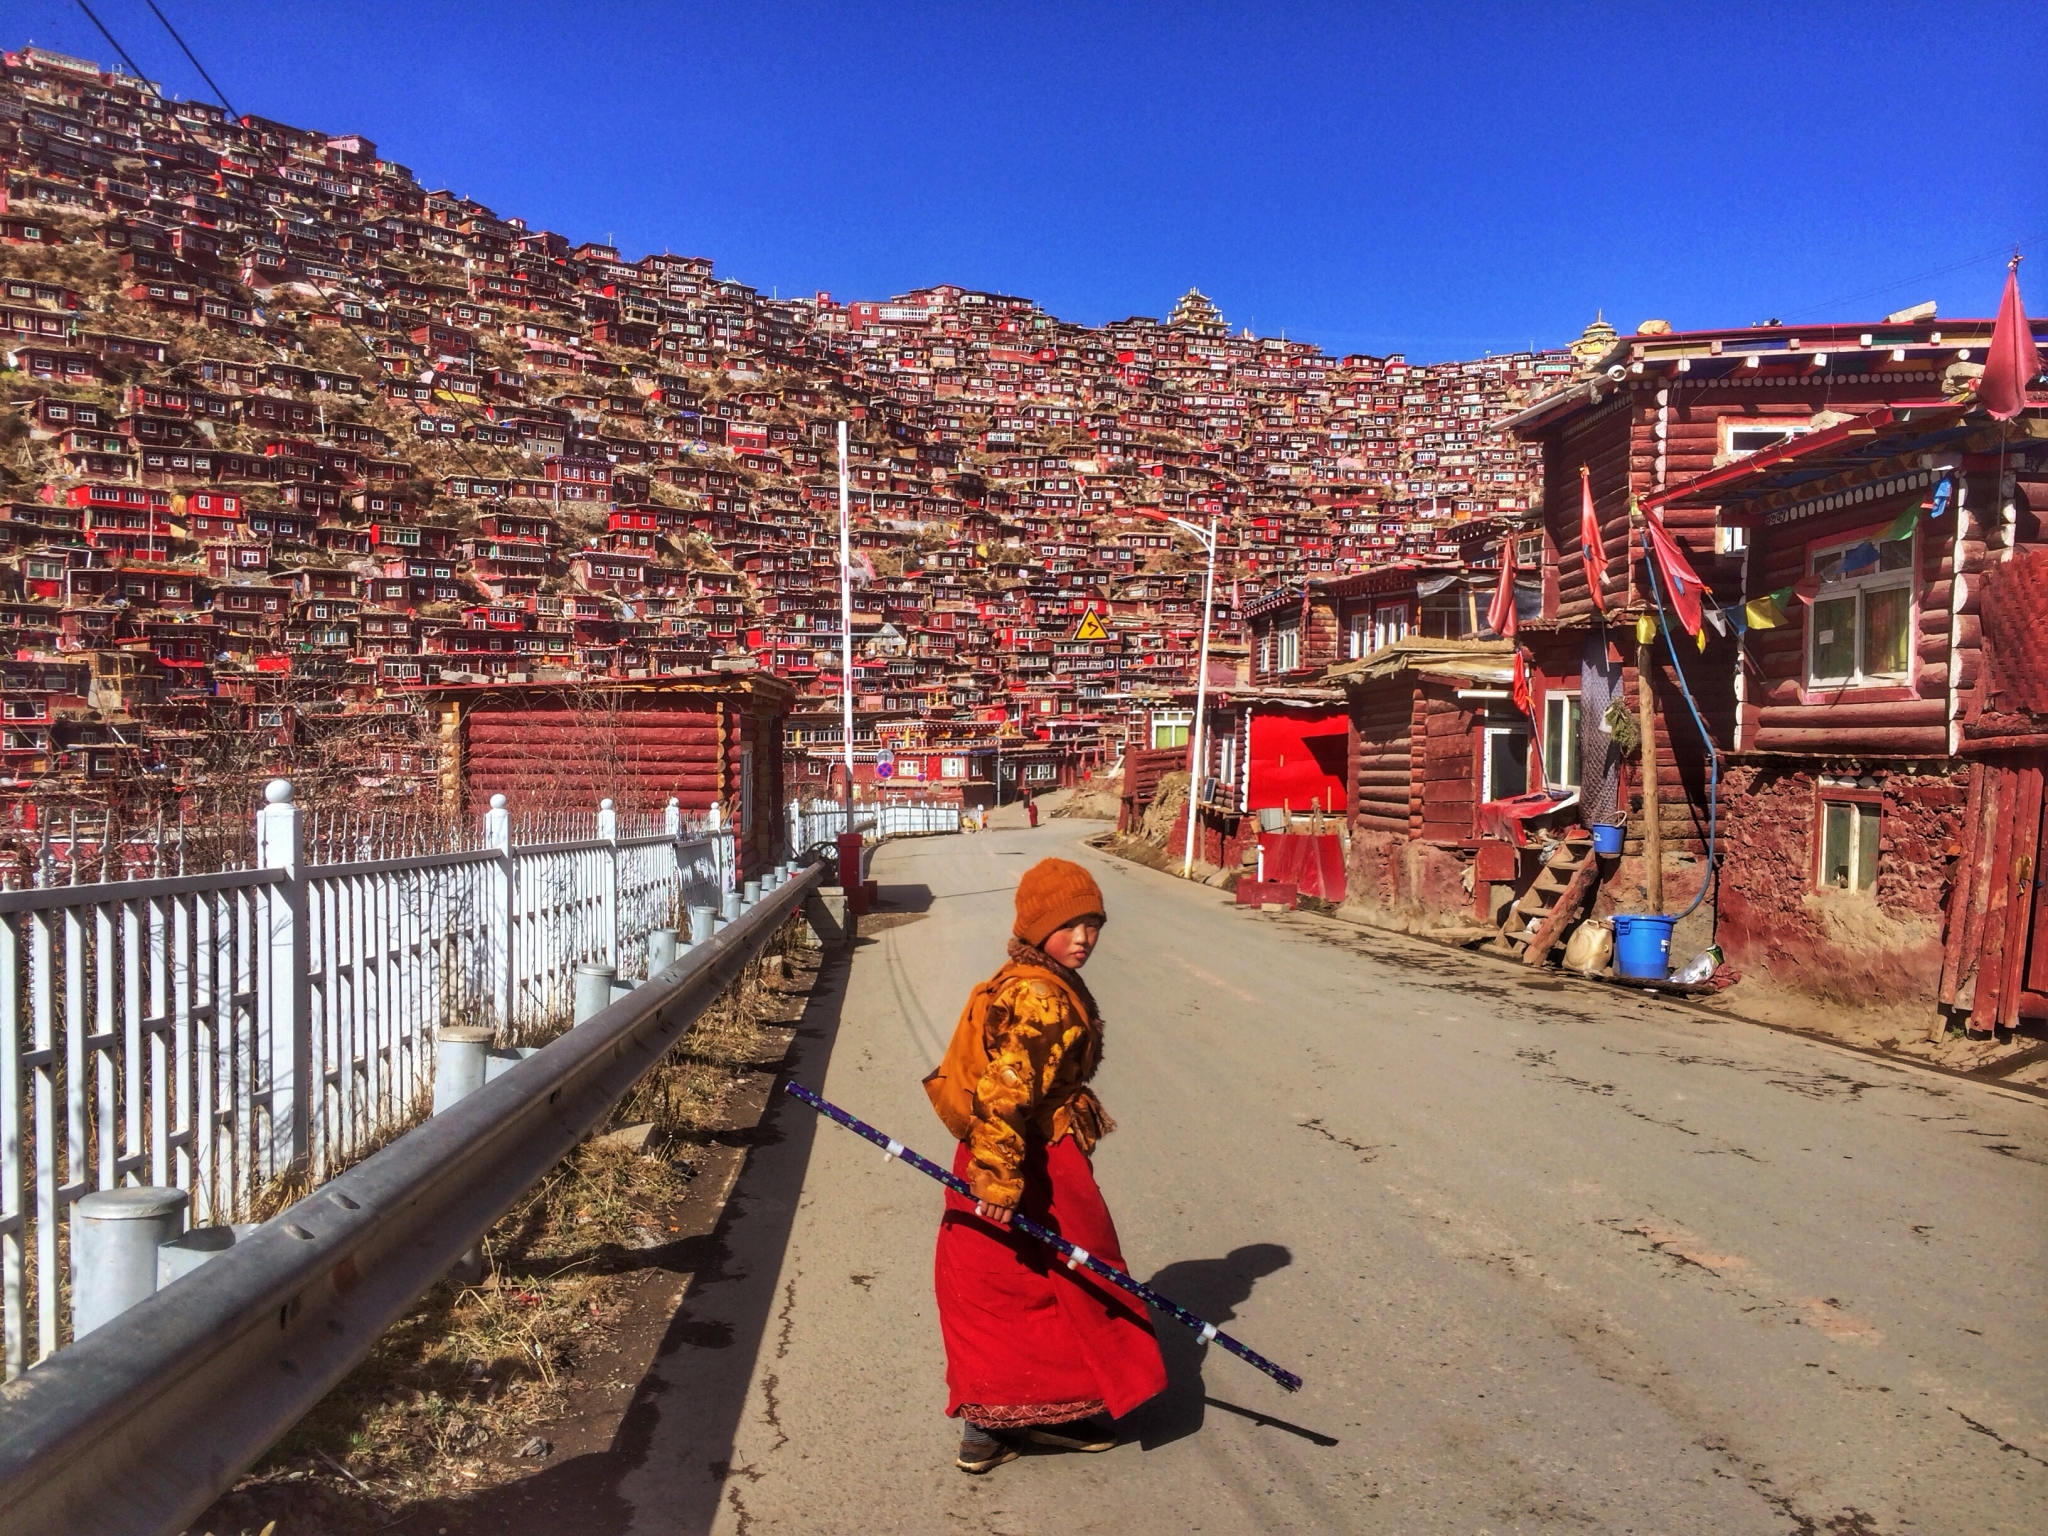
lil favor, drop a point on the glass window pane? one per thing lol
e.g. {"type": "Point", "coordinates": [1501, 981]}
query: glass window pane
{"type": "Point", "coordinates": [1887, 623]}
{"type": "Point", "coordinates": [1507, 768]}
{"type": "Point", "coordinates": [1866, 847]}
{"type": "Point", "coordinates": [1834, 848]}
{"type": "Point", "coordinates": [1834, 638]}
{"type": "Point", "coordinates": [1895, 555]}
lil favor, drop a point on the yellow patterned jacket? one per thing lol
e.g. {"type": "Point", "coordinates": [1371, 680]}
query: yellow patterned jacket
{"type": "Point", "coordinates": [1044, 1043]}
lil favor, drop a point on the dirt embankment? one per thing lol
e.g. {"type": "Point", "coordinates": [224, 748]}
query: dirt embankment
{"type": "Point", "coordinates": [484, 1385]}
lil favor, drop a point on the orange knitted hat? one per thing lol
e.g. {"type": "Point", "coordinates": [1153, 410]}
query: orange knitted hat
{"type": "Point", "coordinates": [1052, 894]}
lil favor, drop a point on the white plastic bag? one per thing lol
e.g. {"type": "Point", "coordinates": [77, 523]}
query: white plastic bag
{"type": "Point", "coordinates": [1590, 949]}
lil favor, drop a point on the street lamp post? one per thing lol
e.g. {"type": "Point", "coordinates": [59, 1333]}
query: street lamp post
{"type": "Point", "coordinates": [1195, 760]}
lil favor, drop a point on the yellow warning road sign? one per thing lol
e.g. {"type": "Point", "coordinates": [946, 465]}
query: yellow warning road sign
{"type": "Point", "coordinates": [1091, 627]}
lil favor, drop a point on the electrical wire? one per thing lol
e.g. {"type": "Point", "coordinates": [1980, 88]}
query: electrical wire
{"type": "Point", "coordinates": [1713, 752]}
{"type": "Point", "coordinates": [223, 95]}
{"type": "Point", "coordinates": [1957, 266]}
{"type": "Point", "coordinates": [134, 68]}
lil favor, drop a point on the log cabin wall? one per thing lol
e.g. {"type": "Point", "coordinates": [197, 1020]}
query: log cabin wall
{"type": "Point", "coordinates": [1412, 784]}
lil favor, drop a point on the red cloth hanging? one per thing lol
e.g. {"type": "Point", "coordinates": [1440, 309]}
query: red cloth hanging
{"type": "Point", "coordinates": [1590, 547]}
{"type": "Point", "coordinates": [1682, 585]}
{"type": "Point", "coordinates": [1500, 616]}
{"type": "Point", "coordinates": [2013, 361]}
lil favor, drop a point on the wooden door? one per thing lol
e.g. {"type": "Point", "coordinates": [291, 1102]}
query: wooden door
{"type": "Point", "coordinates": [1995, 964]}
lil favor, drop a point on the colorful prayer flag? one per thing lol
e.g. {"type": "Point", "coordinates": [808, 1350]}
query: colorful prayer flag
{"type": "Point", "coordinates": [1646, 629]}
{"type": "Point", "coordinates": [1682, 585]}
{"type": "Point", "coordinates": [1902, 526]}
{"type": "Point", "coordinates": [1765, 612]}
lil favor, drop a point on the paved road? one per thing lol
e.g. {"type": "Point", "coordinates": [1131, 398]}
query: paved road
{"type": "Point", "coordinates": [1550, 1260]}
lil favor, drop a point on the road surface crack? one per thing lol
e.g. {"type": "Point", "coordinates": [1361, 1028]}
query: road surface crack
{"type": "Point", "coordinates": [786, 1319]}
{"type": "Point", "coordinates": [771, 1411]}
{"type": "Point", "coordinates": [2003, 1443]}
{"type": "Point", "coordinates": [1366, 1154]}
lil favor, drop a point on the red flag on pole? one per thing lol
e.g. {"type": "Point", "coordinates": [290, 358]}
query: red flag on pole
{"type": "Point", "coordinates": [1682, 585]}
{"type": "Point", "coordinates": [1500, 616]}
{"type": "Point", "coordinates": [2014, 360]}
{"type": "Point", "coordinates": [1590, 547]}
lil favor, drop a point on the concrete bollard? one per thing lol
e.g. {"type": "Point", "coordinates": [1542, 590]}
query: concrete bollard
{"type": "Point", "coordinates": [115, 1234]}
{"type": "Point", "coordinates": [700, 924]}
{"type": "Point", "coordinates": [751, 893]}
{"type": "Point", "coordinates": [593, 990]}
{"type": "Point", "coordinates": [731, 910]}
{"type": "Point", "coordinates": [661, 951]}
{"type": "Point", "coordinates": [461, 1055]}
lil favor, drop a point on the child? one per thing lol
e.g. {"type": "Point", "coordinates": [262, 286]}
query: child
{"type": "Point", "coordinates": [1034, 1350]}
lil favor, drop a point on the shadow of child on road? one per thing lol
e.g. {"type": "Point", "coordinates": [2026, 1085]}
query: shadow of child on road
{"type": "Point", "coordinates": [1212, 1289]}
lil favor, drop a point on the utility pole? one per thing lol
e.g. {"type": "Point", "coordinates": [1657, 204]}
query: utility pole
{"type": "Point", "coordinates": [1653, 830]}
{"type": "Point", "coordinates": [846, 622]}
{"type": "Point", "coordinates": [1187, 863]}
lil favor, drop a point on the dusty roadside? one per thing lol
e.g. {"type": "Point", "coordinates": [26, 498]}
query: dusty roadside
{"type": "Point", "coordinates": [464, 1418]}
{"type": "Point", "coordinates": [2014, 1058]}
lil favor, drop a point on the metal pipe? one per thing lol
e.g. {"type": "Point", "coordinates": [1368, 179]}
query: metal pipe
{"type": "Point", "coordinates": [661, 951]}
{"type": "Point", "coordinates": [701, 919]}
{"type": "Point", "coordinates": [114, 1237]}
{"type": "Point", "coordinates": [593, 991]}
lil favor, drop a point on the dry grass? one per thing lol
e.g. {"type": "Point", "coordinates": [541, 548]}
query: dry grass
{"type": "Point", "coordinates": [468, 1376]}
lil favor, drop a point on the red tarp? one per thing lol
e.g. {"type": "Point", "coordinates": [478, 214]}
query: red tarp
{"type": "Point", "coordinates": [1297, 755]}
{"type": "Point", "coordinates": [1313, 865]}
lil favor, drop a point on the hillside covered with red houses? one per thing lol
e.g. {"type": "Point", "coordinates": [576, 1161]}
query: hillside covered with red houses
{"type": "Point", "coordinates": [290, 436]}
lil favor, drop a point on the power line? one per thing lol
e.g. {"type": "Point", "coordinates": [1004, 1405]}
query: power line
{"type": "Point", "coordinates": [223, 95]}
{"type": "Point", "coordinates": [133, 67]}
{"type": "Point", "coordinates": [1957, 266]}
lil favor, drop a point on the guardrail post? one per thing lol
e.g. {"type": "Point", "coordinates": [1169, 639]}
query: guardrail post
{"type": "Point", "coordinates": [497, 934]}
{"type": "Point", "coordinates": [279, 846]}
{"type": "Point", "coordinates": [701, 919]}
{"type": "Point", "coordinates": [608, 830]}
{"type": "Point", "coordinates": [593, 990]}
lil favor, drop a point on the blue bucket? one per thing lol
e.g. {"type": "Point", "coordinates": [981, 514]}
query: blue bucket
{"type": "Point", "coordinates": [1642, 945]}
{"type": "Point", "coordinates": [1606, 839]}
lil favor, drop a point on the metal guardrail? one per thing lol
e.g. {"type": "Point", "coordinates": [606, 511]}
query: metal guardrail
{"type": "Point", "coordinates": [145, 1421]}
{"type": "Point", "coordinates": [812, 825]}
{"type": "Point", "coordinates": [213, 1031]}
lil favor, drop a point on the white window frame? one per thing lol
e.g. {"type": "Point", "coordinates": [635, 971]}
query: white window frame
{"type": "Point", "coordinates": [1389, 623]}
{"type": "Point", "coordinates": [1494, 734]}
{"type": "Point", "coordinates": [1858, 588]}
{"type": "Point", "coordinates": [1562, 768]}
{"type": "Point", "coordinates": [1287, 648]}
{"type": "Point", "coordinates": [1360, 632]}
{"type": "Point", "coordinates": [1734, 427]}
{"type": "Point", "coordinates": [1181, 723]}
{"type": "Point", "coordinates": [1226, 759]}
{"type": "Point", "coordinates": [1865, 835]}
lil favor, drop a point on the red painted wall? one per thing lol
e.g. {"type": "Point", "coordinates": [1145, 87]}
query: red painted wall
{"type": "Point", "coordinates": [1298, 755]}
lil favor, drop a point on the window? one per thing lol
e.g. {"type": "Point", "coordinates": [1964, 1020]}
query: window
{"type": "Point", "coordinates": [1861, 622]}
{"type": "Point", "coordinates": [1561, 740]}
{"type": "Point", "coordinates": [1287, 648]}
{"type": "Point", "coordinates": [1848, 845]}
{"type": "Point", "coordinates": [1740, 439]}
{"type": "Point", "coordinates": [1389, 623]}
{"type": "Point", "coordinates": [1506, 768]}
{"type": "Point", "coordinates": [1360, 641]}
{"type": "Point", "coordinates": [1448, 615]}
{"type": "Point", "coordinates": [1170, 731]}
{"type": "Point", "coordinates": [953, 767]}
{"type": "Point", "coordinates": [1226, 759]}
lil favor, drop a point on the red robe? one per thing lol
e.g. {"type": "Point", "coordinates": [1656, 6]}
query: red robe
{"type": "Point", "coordinates": [1029, 1341]}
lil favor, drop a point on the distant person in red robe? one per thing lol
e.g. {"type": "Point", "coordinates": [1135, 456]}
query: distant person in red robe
{"type": "Point", "coordinates": [1035, 1352]}
{"type": "Point", "coordinates": [1030, 808]}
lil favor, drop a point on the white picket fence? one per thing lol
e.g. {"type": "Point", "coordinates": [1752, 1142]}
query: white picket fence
{"type": "Point", "coordinates": [214, 1032]}
{"type": "Point", "coordinates": [822, 821]}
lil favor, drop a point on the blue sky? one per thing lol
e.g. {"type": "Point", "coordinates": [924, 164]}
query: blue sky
{"type": "Point", "coordinates": [1439, 179]}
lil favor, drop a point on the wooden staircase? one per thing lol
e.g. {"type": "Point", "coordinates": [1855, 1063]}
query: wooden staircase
{"type": "Point", "coordinates": [1562, 888]}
